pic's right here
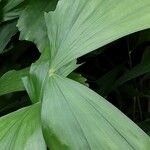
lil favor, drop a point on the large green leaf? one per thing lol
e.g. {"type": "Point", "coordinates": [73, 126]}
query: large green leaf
{"type": "Point", "coordinates": [21, 130]}
{"type": "Point", "coordinates": [7, 30]}
{"type": "Point", "coordinates": [11, 9]}
{"type": "Point", "coordinates": [74, 117]}
{"type": "Point", "coordinates": [11, 81]}
{"type": "Point", "coordinates": [77, 27]}
{"type": "Point", "coordinates": [32, 24]}
{"type": "Point", "coordinates": [135, 72]}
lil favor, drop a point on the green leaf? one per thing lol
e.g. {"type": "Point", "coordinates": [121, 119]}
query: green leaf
{"type": "Point", "coordinates": [32, 24]}
{"type": "Point", "coordinates": [37, 76]}
{"type": "Point", "coordinates": [144, 36]}
{"type": "Point", "coordinates": [7, 30]}
{"type": "Point", "coordinates": [145, 125]}
{"type": "Point", "coordinates": [79, 78]}
{"type": "Point", "coordinates": [146, 56]}
{"type": "Point", "coordinates": [11, 81]}
{"type": "Point", "coordinates": [21, 130]}
{"type": "Point", "coordinates": [39, 72]}
{"type": "Point", "coordinates": [68, 68]}
{"type": "Point", "coordinates": [78, 27]}
{"type": "Point", "coordinates": [135, 72]}
{"type": "Point", "coordinates": [74, 117]}
{"type": "Point", "coordinates": [106, 82]}
{"type": "Point", "coordinates": [11, 9]}
{"type": "Point", "coordinates": [140, 69]}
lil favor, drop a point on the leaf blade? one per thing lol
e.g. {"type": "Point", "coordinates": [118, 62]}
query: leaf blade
{"type": "Point", "coordinates": [74, 117]}
{"type": "Point", "coordinates": [22, 130]}
{"type": "Point", "coordinates": [11, 81]}
{"type": "Point", "coordinates": [7, 30]}
{"type": "Point", "coordinates": [78, 27]}
{"type": "Point", "coordinates": [35, 32]}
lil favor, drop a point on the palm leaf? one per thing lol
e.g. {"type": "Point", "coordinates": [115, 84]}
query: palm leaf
{"type": "Point", "coordinates": [74, 117]}
{"type": "Point", "coordinates": [11, 81]}
{"type": "Point", "coordinates": [32, 24]}
{"type": "Point", "coordinates": [77, 27]}
{"type": "Point", "coordinates": [21, 130]}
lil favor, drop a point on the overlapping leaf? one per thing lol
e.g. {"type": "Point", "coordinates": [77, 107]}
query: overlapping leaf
{"type": "Point", "coordinates": [39, 71]}
{"type": "Point", "coordinates": [140, 69]}
{"type": "Point", "coordinates": [78, 77]}
{"type": "Point", "coordinates": [7, 30]}
{"type": "Point", "coordinates": [21, 130]}
{"type": "Point", "coordinates": [145, 125]}
{"type": "Point", "coordinates": [74, 117]}
{"type": "Point", "coordinates": [77, 27]}
{"type": "Point", "coordinates": [11, 81]}
{"type": "Point", "coordinates": [32, 24]}
{"type": "Point", "coordinates": [107, 81]}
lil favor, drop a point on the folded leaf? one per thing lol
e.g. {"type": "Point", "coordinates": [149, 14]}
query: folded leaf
{"type": "Point", "coordinates": [77, 27]}
{"type": "Point", "coordinates": [21, 130]}
{"type": "Point", "coordinates": [7, 30]}
{"type": "Point", "coordinates": [74, 117]}
{"type": "Point", "coordinates": [39, 71]}
{"type": "Point", "coordinates": [68, 68]}
{"type": "Point", "coordinates": [36, 79]}
{"type": "Point", "coordinates": [11, 81]}
{"type": "Point", "coordinates": [32, 24]}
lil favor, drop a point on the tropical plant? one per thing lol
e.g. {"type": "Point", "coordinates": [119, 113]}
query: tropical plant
{"type": "Point", "coordinates": [64, 113]}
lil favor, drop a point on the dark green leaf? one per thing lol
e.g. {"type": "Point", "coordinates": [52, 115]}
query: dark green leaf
{"type": "Point", "coordinates": [7, 30]}
{"type": "Point", "coordinates": [106, 82]}
{"type": "Point", "coordinates": [78, 77]}
{"type": "Point", "coordinates": [11, 9]}
{"type": "Point", "coordinates": [140, 69]}
{"type": "Point", "coordinates": [11, 81]}
{"type": "Point", "coordinates": [32, 24]}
